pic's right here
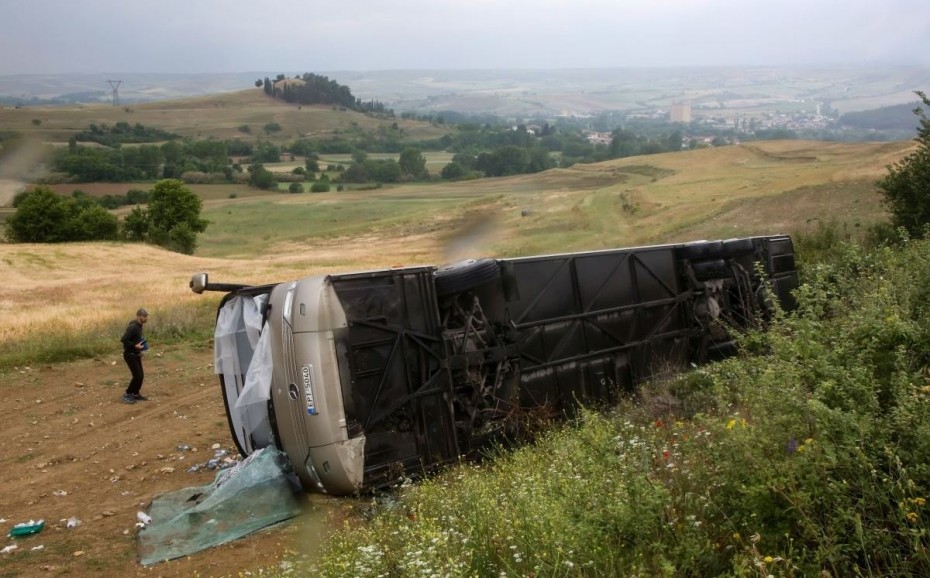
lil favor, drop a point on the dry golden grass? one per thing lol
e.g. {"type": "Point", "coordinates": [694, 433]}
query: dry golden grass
{"type": "Point", "coordinates": [711, 185]}
{"type": "Point", "coordinates": [82, 287]}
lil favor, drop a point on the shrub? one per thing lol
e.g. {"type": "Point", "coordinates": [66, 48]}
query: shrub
{"type": "Point", "coordinates": [137, 197]}
{"type": "Point", "coordinates": [320, 187]}
{"type": "Point", "coordinates": [136, 225]}
{"type": "Point", "coordinates": [295, 188]}
{"type": "Point", "coordinates": [93, 223]}
{"type": "Point", "coordinates": [172, 219]}
{"type": "Point", "coordinates": [43, 216]}
{"type": "Point", "coordinates": [907, 186]}
{"type": "Point", "coordinates": [260, 177]}
{"type": "Point", "coordinates": [202, 178]}
{"type": "Point", "coordinates": [19, 197]}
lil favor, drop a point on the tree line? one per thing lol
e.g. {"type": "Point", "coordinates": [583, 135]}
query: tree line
{"type": "Point", "coordinates": [122, 133]}
{"type": "Point", "coordinates": [145, 162]}
{"type": "Point", "coordinates": [480, 150]}
{"type": "Point", "coordinates": [171, 218]}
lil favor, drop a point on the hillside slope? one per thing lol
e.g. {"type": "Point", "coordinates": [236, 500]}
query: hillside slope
{"type": "Point", "coordinates": [213, 116]}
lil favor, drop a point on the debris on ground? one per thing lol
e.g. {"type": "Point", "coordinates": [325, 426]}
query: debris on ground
{"type": "Point", "coordinates": [27, 528]}
{"type": "Point", "coordinates": [259, 491]}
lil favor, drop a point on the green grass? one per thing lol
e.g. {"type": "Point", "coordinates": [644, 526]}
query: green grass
{"type": "Point", "coordinates": [306, 217]}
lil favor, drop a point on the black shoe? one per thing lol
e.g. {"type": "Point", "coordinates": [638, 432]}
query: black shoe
{"type": "Point", "coordinates": [128, 398]}
{"type": "Point", "coordinates": [139, 397]}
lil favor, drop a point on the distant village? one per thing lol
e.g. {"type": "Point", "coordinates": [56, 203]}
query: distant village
{"type": "Point", "coordinates": [711, 118]}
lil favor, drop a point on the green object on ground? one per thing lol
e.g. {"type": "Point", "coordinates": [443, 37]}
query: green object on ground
{"type": "Point", "coordinates": [257, 492]}
{"type": "Point", "coordinates": [27, 529]}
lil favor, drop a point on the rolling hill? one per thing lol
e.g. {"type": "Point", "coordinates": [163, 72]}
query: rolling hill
{"type": "Point", "coordinates": [214, 116]}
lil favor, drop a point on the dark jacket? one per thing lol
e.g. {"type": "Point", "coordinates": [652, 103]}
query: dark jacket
{"type": "Point", "coordinates": [131, 337]}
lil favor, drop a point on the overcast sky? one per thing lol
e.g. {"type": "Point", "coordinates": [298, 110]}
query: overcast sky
{"type": "Point", "coordinates": [97, 36]}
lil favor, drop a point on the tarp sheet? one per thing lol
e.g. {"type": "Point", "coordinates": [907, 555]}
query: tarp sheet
{"type": "Point", "coordinates": [255, 493]}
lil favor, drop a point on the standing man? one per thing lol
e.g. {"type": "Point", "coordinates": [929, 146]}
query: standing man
{"type": "Point", "coordinates": [134, 345]}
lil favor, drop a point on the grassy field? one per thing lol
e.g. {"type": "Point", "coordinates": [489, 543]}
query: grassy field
{"type": "Point", "coordinates": [214, 116]}
{"type": "Point", "coordinates": [726, 192]}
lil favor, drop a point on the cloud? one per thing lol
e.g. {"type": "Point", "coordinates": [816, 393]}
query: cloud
{"type": "Point", "coordinates": [238, 35]}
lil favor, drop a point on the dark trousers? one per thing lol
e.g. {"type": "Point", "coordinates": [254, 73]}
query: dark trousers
{"type": "Point", "coordinates": [135, 367]}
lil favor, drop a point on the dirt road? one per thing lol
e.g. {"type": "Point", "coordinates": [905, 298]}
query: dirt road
{"type": "Point", "coordinates": [70, 448]}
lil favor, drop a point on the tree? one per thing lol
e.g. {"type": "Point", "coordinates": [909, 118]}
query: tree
{"type": "Point", "coordinates": [356, 173]}
{"type": "Point", "coordinates": [623, 143]}
{"type": "Point", "coordinates": [260, 177]}
{"type": "Point", "coordinates": [906, 187]}
{"type": "Point", "coordinates": [93, 223]}
{"type": "Point", "coordinates": [507, 160]}
{"type": "Point", "coordinates": [41, 217]}
{"type": "Point", "coordinates": [452, 172]}
{"type": "Point", "coordinates": [174, 216]}
{"type": "Point", "coordinates": [150, 160]}
{"type": "Point", "coordinates": [539, 160]}
{"type": "Point", "coordinates": [384, 171]}
{"type": "Point", "coordinates": [136, 225]}
{"type": "Point", "coordinates": [266, 152]}
{"type": "Point", "coordinates": [413, 163]}
{"type": "Point", "coordinates": [465, 160]}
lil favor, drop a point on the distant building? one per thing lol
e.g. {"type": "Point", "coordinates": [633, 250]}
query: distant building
{"type": "Point", "coordinates": [680, 112]}
{"type": "Point", "coordinates": [597, 138]}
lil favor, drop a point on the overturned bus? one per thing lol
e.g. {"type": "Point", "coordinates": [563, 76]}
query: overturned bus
{"type": "Point", "coordinates": [362, 378]}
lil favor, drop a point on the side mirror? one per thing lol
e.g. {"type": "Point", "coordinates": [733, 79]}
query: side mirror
{"type": "Point", "coordinates": [199, 282]}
